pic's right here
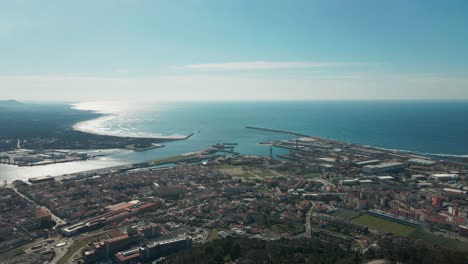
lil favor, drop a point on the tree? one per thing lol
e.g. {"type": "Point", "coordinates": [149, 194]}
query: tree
{"type": "Point", "coordinates": [235, 252]}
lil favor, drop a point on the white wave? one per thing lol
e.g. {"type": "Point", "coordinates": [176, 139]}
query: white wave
{"type": "Point", "coordinates": [116, 120]}
{"type": "Point", "coordinates": [422, 153]}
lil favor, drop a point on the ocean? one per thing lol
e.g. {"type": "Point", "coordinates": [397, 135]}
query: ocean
{"type": "Point", "coordinates": [435, 127]}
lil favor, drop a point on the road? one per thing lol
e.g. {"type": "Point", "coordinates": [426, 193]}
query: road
{"type": "Point", "coordinates": [61, 251]}
{"type": "Point", "coordinates": [324, 182]}
{"type": "Point", "coordinates": [255, 175]}
{"type": "Point", "coordinates": [55, 218]}
{"type": "Point", "coordinates": [308, 226]}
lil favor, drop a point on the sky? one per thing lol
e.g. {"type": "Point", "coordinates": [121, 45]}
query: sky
{"type": "Point", "coordinates": [63, 50]}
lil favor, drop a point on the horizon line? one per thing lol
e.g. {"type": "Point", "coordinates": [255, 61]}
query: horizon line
{"type": "Point", "coordinates": [251, 100]}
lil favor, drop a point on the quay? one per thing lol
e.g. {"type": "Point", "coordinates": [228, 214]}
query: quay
{"type": "Point", "coordinates": [199, 156]}
{"type": "Point", "coordinates": [289, 133]}
{"type": "Point", "coordinates": [279, 131]}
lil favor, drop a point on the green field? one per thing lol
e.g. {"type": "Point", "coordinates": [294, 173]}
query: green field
{"type": "Point", "coordinates": [71, 252]}
{"type": "Point", "coordinates": [78, 245]}
{"type": "Point", "coordinates": [312, 175]}
{"type": "Point", "coordinates": [384, 225]}
{"type": "Point", "coordinates": [264, 173]}
{"type": "Point", "coordinates": [244, 172]}
{"type": "Point", "coordinates": [177, 158]}
{"type": "Point", "coordinates": [230, 169]}
{"type": "Point", "coordinates": [293, 229]}
{"type": "Point", "coordinates": [212, 235]}
{"type": "Point", "coordinates": [262, 190]}
{"type": "Point", "coordinates": [407, 231]}
{"type": "Point", "coordinates": [223, 166]}
{"type": "Point", "coordinates": [345, 214]}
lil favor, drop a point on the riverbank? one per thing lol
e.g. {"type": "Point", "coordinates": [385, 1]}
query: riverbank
{"type": "Point", "coordinates": [202, 155]}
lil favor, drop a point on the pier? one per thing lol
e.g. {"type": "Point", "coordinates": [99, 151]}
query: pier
{"type": "Point", "coordinates": [285, 132]}
{"type": "Point", "coordinates": [278, 131]}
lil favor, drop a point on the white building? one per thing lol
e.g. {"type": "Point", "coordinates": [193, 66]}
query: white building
{"type": "Point", "coordinates": [421, 162]}
{"type": "Point", "coordinates": [383, 167]}
{"type": "Point", "coordinates": [445, 176]}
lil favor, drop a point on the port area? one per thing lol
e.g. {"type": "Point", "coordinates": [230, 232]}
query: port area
{"type": "Point", "coordinates": [380, 189]}
{"type": "Point", "coordinates": [137, 148]}
{"type": "Point", "coordinates": [26, 157]}
{"type": "Point", "coordinates": [352, 196]}
{"type": "Point", "coordinates": [198, 157]}
{"type": "Point", "coordinates": [49, 236]}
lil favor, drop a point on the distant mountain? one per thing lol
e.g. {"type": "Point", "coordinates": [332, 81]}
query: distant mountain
{"type": "Point", "coordinates": [10, 103]}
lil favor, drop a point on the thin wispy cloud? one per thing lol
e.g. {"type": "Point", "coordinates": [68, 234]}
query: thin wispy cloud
{"type": "Point", "coordinates": [232, 87]}
{"type": "Point", "coordinates": [123, 70]}
{"type": "Point", "coordinates": [265, 65]}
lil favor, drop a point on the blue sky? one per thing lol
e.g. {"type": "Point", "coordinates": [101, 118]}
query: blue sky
{"type": "Point", "coordinates": [255, 50]}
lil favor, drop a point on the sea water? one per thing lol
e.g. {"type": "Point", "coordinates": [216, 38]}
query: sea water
{"type": "Point", "coordinates": [420, 126]}
{"type": "Point", "coordinates": [437, 127]}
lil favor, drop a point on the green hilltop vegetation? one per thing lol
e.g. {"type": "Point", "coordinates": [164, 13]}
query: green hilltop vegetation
{"type": "Point", "coordinates": [30, 120]}
{"type": "Point", "coordinates": [260, 251]}
{"type": "Point", "coordinates": [313, 251]}
{"type": "Point", "coordinates": [49, 126]}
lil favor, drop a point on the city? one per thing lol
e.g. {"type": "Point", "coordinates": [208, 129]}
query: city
{"type": "Point", "coordinates": [347, 194]}
{"type": "Point", "coordinates": [233, 132]}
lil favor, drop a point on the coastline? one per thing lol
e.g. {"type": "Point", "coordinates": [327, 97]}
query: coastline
{"type": "Point", "coordinates": [81, 127]}
{"type": "Point", "coordinates": [47, 163]}
{"type": "Point", "coordinates": [64, 119]}
{"type": "Point", "coordinates": [412, 152]}
{"type": "Point", "coordinates": [151, 141]}
{"type": "Point", "coordinates": [105, 116]}
{"type": "Point", "coordinates": [70, 135]}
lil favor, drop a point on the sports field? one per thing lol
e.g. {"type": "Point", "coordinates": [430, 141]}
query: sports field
{"type": "Point", "coordinates": [408, 231]}
{"type": "Point", "coordinates": [385, 225]}
{"type": "Point", "coordinates": [345, 214]}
